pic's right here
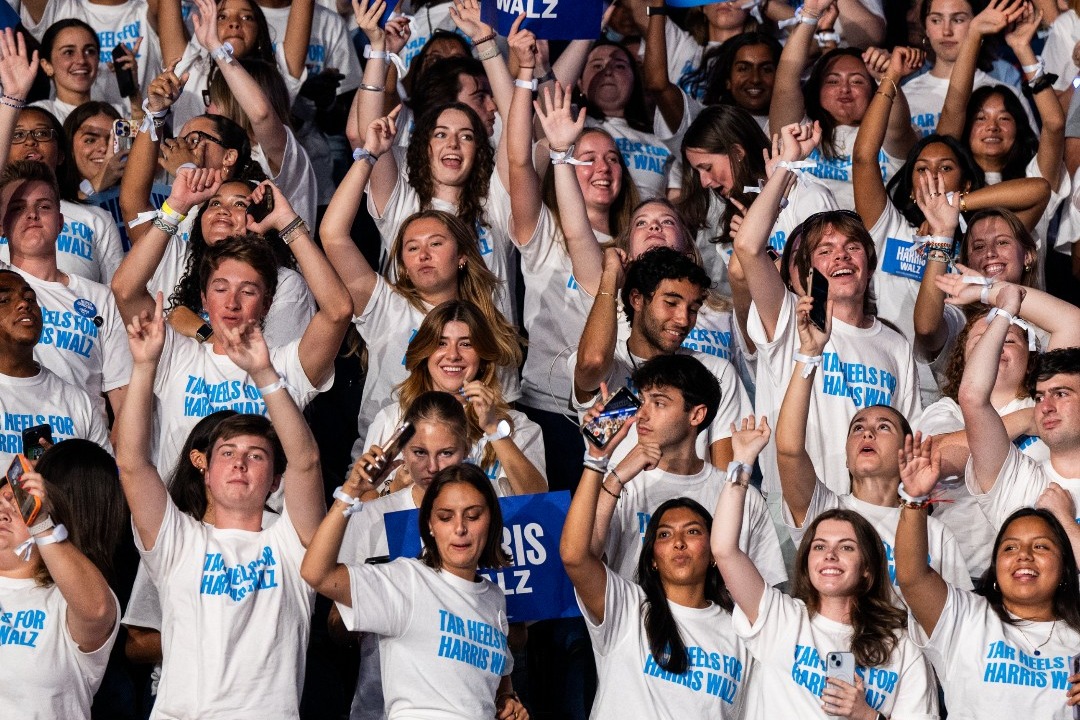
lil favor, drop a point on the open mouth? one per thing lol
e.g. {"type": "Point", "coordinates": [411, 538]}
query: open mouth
{"type": "Point", "coordinates": [842, 272]}
{"type": "Point", "coordinates": [992, 269]}
{"type": "Point", "coordinates": [452, 161]}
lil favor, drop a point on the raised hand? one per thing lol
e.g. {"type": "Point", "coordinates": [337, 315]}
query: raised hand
{"type": "Point", "coordinates": [956, 290]}
{"type": "Point", "coordinates": [1024, 28]}
{"type": "Point", "coordinates": [817, 8]}
{"type": "Point", "coordinates": [146, 334]}
{"type": "Point", "coordinates": [997, 16]}
{"type": "Point", "coordinates": [165, 88]}
{"type": "Point", "coordinates": [793, 143]}
{"type": "Point", "coordinates": [204, 20]}
{"type": "Point", "coordinates": [193, 186]}
{"type": "Point", "coordinates": [750, 439]}
{"type": "Point", "coordinates": [812, 339]}
{"type": "Point", "coordinates": [1058, 501]}
{"type": "Point", "coordinates": [466, 15]}
{"type": "Point", "coordinates": [942, 214]}
{"type": "Point", "coordinates": [522, 44]}
{"type": "Point", "coordinates": [245, 346]}
{"type": "Point", "coordinates": [17, 68]}
{"type": "Point", "coordinates": [397, 32]}
{"type": "Point", "coordinates": [482, 399]}
{"type": "Point", "coordinates": [279, 217]}
{"type": "Point", "coordinates": [381, 133]}
{"type": "Point", "coordinates": [877, 62]}
{"type": "Point", "coordinates": [920, 465]}
{"type": "Point", "coordinates": [616, 262]}
{"type": "Point", "coordinates": [367, 16]}
{"type": "Point", "coordinates": [111, 170]}
{"type": "Point", "coordinates": [905, 61]}
{"type": "Point", "coordinates": [560, 126]}
{"type": "Point", "coordinates": [593, 413]}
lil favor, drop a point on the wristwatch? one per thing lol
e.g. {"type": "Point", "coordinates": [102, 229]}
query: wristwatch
{"type": "Point", "coordinates": [204, 332]}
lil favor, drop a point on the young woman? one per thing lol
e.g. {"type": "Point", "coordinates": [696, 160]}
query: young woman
{"type": "Point", "coordinates": [842, 601]}
{"type": "Point", "coordinates": [455, 351]}
{"type": "Point", "coordinates": [413, 606]}
{"type": "Point", "coordinates": [837, 94]}
{"type": "Point", "coordinates": [70, 51]}
{"type": "Point", "coordinates": [664, 626]}
{"type": "Point", "coordinates": [60, 618]}
{"type": "Point", "coordinates": [1011, 645]}
{"type": "Point", "coordinates": [89, 132]}
{"type": "Point", "coordinates": [435, 259]}
{"type": "Point", "coordinates": [837, 245]}
{"type": "Point", "coordinates": [238, 279]}
{"type": "Point", "coordinates": [875, 435]}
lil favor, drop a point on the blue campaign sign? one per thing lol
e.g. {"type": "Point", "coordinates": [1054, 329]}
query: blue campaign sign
{"type": "Point", "coordinates": [548, 19]}
{"type": "Point", "coordinates": [536, 585]}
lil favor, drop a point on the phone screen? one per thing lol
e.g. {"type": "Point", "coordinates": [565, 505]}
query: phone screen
{"type": "Point", "coordinates": [29, 505]}
{"type": "Point", "coordinates": [819, 293]}
{"type": "Point", "coordinates": [32, 437]}
{"type": "Point", "coordinates": [619, 408]}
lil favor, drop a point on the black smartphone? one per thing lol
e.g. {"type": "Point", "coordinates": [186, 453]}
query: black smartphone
{"type": "Point", "coordinates": [29, 505]}
{"type": "Point", "coordinates": [617, 410]}
{"type": "Point", "coordinates": [402, 435]}
{"type": "Point", "coordinates": [258, 211]}
{"type": "Point", "coordinates": [125, 78]}
{"type": "Point", "coordinates": [31, 438]}
{"type": "Point", "coordinates": [819, 293]}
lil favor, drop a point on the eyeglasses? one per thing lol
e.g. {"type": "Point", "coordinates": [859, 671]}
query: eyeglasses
{"type": "Point", "coordinates": [194, 138]}
{"type": "Point", "coordinates": [40, 135]}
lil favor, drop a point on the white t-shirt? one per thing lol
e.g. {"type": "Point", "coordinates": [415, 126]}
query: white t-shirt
{"type": "Point", "coordinates": [734, 404]}
{"type": "Point", "coordinates": [861, 367]}
{"type": "Point", "coordinates": [684, 55]}
{"type": "Point", "coordinates": [926, 96]}
{"type": "Point", "coordinates": [1057, 53]}
{"type": "Point", "coordinates": [642, 495]}
{"type": "Point", "coordinates": [556, 308]}
{"type": "Point", "coordinates": [962, 514]}
{"type": "Point", "coordinates": [1019, 483]}
{"type": "Point", "coordinates": [988, 668]}
{"type": "Point", "coordinates": [83, 338]}
{"type": "Point", "coordinates": [945, 554]}
{"type": "Point", "coordinates": [328, 47]}
{"type": "Point", "coordinates": [791, 646]}
{"type": "Point", "coordinates": [123, 22]}
{"type": "Point", "coordinates": [836, 172]}
{"type": "Point", "coordinates": [647, 156]}
{"type": "Point", "coordinates": [45, 398]}
{"type": "Point", "coordinates": [229, 600]}
{"type": "Point", "coordinates": [423, 24]}
{"type": "Point", "coordinates": [60, 110]}
{"type": "Point", "coordinates": [46, 675]}
{"type": "Point", "coordinates": [1057, 196]}
{"type": "Point", "coordinates": [193, 381]}
{"type": "Point", "coordinates": [295, 178]}
{"type": "Point", "coordinates": [442, 639]}
{"type": "Point", "coordinates": [713, 685]}
{"type": "Point", "coordinates": [88, 245]}
{"type": "Point", "coordinates": [526, 435]}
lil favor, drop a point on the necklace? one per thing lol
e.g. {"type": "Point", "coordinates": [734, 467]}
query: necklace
{"type": "Point", "coordinates": [1036, 648]}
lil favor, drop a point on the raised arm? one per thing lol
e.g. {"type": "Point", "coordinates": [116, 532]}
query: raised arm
{"type": "Point", "coordinates": [266, 125]}
{"type": "Point", "coordinates": [887, 122]}
{"type": "Point", "coordinates": [322, 339]}
{"type": "Point", "coordinates": [862, 28]}
{"type": "Point", "coordinates": [336, 229]}
{"type": "Point", "coordinates": [167, 19]}
{"type": "Point", "coordinates": [18, 68]}
{"type": "Point", "coordinates": [466, 15]}
{"type": "Point", "coordinates": [522, 475]}
{"type": "Point", "coordinates": [138, 266]}
{"type": "Point", "coordinates": [143, 488]}
{"type": "Point", "coordinates": [954, 446]}
{"type": "Point", "coordinates": [924, 589]}
{"type": "Point", "coordinates": [986, 433]}
{"type": "Point", "coordinates": [942, 215]}
{"type": "Point", "coordinates": [303, 487]}
{"type": "Point", "coordinates": [741, 576]}
{"type": "Point", "coordinates": [524, 186]}
{"type": "Point", "coordinates": [993, 19]}
{"type": "Point", "coordinates": [787, 104]}
{"type": "Point", "coordinates": [1052, 134]}
{"type": "Point", "coordinates": [797, 476]}
{"type": "Point", "coordinates": [297, 36]}
{"type": "Point", "coordinates": [596, 349]}
{"type": "Point", "coordinates": [666, 95]}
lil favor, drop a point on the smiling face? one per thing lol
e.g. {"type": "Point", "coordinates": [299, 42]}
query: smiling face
{"type": "Point", "coordinates": [608, 79]}
{"type": "Point", "coordinates": [90, 144]}
{"type": "Point", "coordinates": [835, 564]}
{"type": "Point", "coordinates": [600, 182]}
{"type": "Point", "coordinates": [845, 90]}
{"type": "Point", "coordinates": [235, 295]}
{"type": "Point", "coordinates": [664, 320]}
{"type": "Point", "coordinates": [843, 260]}
{"type": "Point", "coordinates": [994, 251]}
{"type": "Point", "coordinates": [1027, 564]}
{"type": "Point", "coordinates": [1057, 411]}
{"type": "Point", "coordinates": [753, 73]}
{"type": "Point", "coordinates": [874, 437]}
{"type": "Point", "coordinates": [31, 219]}
{"type": "Point", "coordinates": [459, 525]}
{"type": "Point", "coordinates": [430, 255]}
{"type": "Point", "coordinates": [939, 159]}
{"type": "Point", "coordinates": [240, 473]}
{"type": "Point", "coordinates": [714, 170]}
{"type": "Point", "coordinates": [433, 447]}
{"type": "Point", "coordinates": [225, 214]}
{"type": "Point", "coordinates": [947, 24]}
{"type": "Point", "coordinates": [993, 131]}
{"type": "Point", "coordinates": [454, 362]}
{"type": "Point", "coordinates": [20, 314]}
{"type": "Point", "coordinates": [237, 25]}
{"type": "Point", "coordinates": [73, 65]}
{"type": "Point", "coordinates": [656, 225]}
{"type": "Point", "coordinates": [452, 148]}
{"type": "Point", "coordinates": [45, 151]}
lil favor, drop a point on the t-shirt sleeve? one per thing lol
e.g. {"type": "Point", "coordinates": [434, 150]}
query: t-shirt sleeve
{"type": "Point", "coordinates": [821, 500]}
{"type": "Point", "coordinates": [172, 541]}
{"type": "Point", "coordinates": [144, 604]}
{"type": "Point", "coordinates": [961, 611]}
{"type": "Point", "coordinates": [622, 610]}
{"type": "Point", "coordinates": [734, 402]}
{"type": "Point", "coordinates": [1019, 482]}
{"type": "Point", "coordinates": [291, 311]}
{"type": "Point", "coordinates": [381, 598]}
{"type": "Point", "coordinates": [758, 539]}
{"type": "Point", "coordinates": [109, 249]}
{"type": "Point", "coordinates": [287, 362]}
{"type": "Point", "coordinates": [916, 697]}
{"type": "Point", "coordinates": [772, 636]}
{"type": "Point", "coordinates": [774, 356]}
{"type": "Point", "coordinates": [116, 354]}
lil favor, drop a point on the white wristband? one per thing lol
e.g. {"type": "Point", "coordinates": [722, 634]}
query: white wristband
{"type": "Point", "coordinates": [910, 498]}
{"type": "Point", "coordinates": [273, 387]}
{"type": "Point", "coordinates": [735, 469]}
{"type": "Point", "coordinates": [809, 362]}
{"type": "Point", "coordinates": [354, 504]}
{"type": "Point", "coordinates": [995, 312]}
{"type": "Point", "coordinates": [394, 58]}
{"type": "Point", "coordinates": [225, 52]}
{"type": "Point", "coordinates": [59, 534]}
{"type": "Point", "coordinates": [526, 84]}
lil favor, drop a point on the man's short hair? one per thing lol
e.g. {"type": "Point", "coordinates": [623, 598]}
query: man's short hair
{"type": "Point", "coordinates": [686, 374]}
{"type": "Point", "coordinates": [652, 266]}
{"type": "Point", "coordinates": [1063, 361]}
{"type": "Point", "coordinates": [29, 171]}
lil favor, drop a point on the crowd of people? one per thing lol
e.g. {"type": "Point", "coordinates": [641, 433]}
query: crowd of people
{"type": "Point", "coordinates": [785, 297]}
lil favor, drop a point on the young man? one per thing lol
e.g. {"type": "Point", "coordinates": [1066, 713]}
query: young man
{"type": "Point", "coordinates": [83, 337]}
{"type": "Point", "coordinates": [680, 398]}
{"type": "Point", "coordinates": [998, 473]}
{"type": "Point", "coordinates": [662, 292]}
{"type": "Point", "coordinates": [231, 591]}
{"type": "Point", "coordinates": [30, 394]}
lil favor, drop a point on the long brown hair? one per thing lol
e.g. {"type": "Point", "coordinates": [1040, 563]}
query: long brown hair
{"type": "Point", "coordinates": [876, 621]}
{"type": "Point", "coordinates": [1033, 274]}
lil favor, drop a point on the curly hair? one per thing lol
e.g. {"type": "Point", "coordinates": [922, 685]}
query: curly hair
{"type": "Point", "coordinates": [418, 163]}
{"type": "Point", "coordinates": [655, 265]}
{"type": "Point", "coordinates": [875, 620]}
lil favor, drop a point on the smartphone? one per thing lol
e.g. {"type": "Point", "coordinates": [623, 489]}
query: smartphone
{"type": "Point", "coordinates": [123, 134]}
{"type": "Point", "coordinates": [29, 505]}
{"type": "Point", "coordinates": [258, 211]}
{"type": "Point", "coordinates": [1074, 668]}
{"type": "Point", "coordinates": [840, 666]}
{"type": "Point", "coordinates": [31, 437]}
{"type": "Point", "coordinates": [617, 410]}
{"type": "Point", "coordinates": [819, 293]}
{"type": "Point", "coordinates": [125, 78]}
{"type": "Point", "coordinates": [391, 450]}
